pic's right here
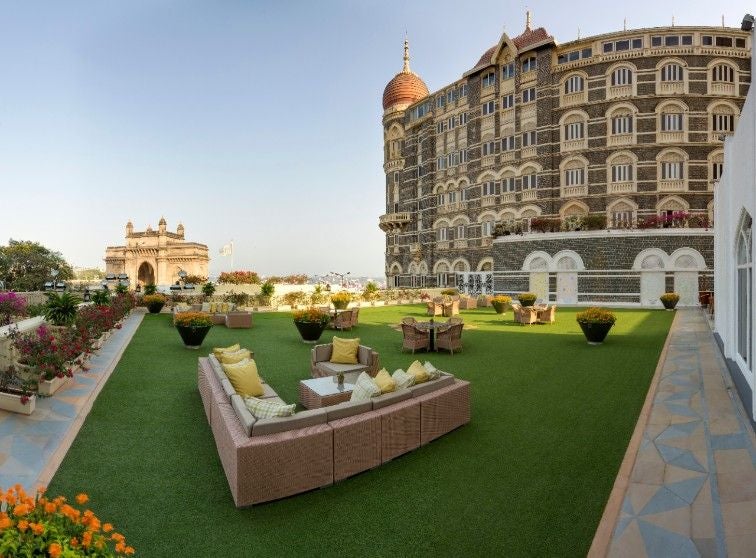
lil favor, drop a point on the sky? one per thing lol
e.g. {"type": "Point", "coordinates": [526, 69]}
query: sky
{"type": "Point", "coordinates": [257, 122]}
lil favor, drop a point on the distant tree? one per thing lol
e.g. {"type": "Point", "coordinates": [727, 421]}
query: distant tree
{"type": "Point", "coordinates": [26, 265]}
{"type": "Point", "coordinates": [89, 274]}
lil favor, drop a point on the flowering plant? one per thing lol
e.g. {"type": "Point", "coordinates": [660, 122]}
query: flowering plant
{"type": "Point", "coordinates": [670, 297]}
{"type": "Point", "coordinates": [40, 526]}
{"type": "Point", "coordinates": [596, 315]}
{"type": "Point", "coordinates": [11, 304]}
{"type": "Point", "coordinates": [193, 319]}
{"type": "Point", "coordinates": [95, 319]}
{"type": "Point", "coordinates": [153, 298]}
{"type": "Point", "coordinates": [239, 278]}
{"type": "Point", "coordinates": [40, 350]}
{"type": "Point", "coordinates": [311, 315]}
{"type": "Point", "coordinates": [341, 296]}
{"type": "Point", "coordinates": [527, 299]}
{"type": "Point", "coordinates": [501, 299]}
{"type": "Point", "coordinates": [11, 382]}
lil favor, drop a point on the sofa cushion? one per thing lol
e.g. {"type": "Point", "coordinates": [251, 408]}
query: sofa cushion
{"type": "Point", "coordinates": [347, 409]}
{"type": "Point", "coordinates": [345, 350]}
{"type": "Point", "coordinates": [268, 408]}
{"type": "Point", "coordinates": [246, 418]}
{"type": "Point", "coordinates": [364, 388]}
{"type": "Point", "coordinates": [416, 369]}
{"type": "Point", "coordinates": [205, 307]}
{"type": "Point", "coordinates": [384, 381]}
{"type": "Point", "coordinates": [402, 379]}
{"type": "Point", "coordinates": [433, 385]}
{"type": "Point", "coordinates": [390, 398]}
{"type": "Point", "coordinates": [433, 372]}
{"type": "Point", "coordinates": [228, 388]}
{"type": "Point", "coordinates": [333, 368]}
{"type": "Point", "coordinates": [232, 349]}
{"type": "Point", "coordinates": [268, 392]}
{"type": "Point", "coordinates": [217, 368]}
{"type": "Point", "coordinates": [231, 358]}
{"type": "Point", "coordinates": [244, 378]}
{"type": "Point", "coordinates": [274, 425]}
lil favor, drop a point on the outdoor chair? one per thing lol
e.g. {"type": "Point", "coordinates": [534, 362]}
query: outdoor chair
{"type": "Point", "coordinates": [450, 338]}
{"type": "Point", "coordinates": [525, 315]}
{"type": "Point", "coordinates": [451, 308]}
{"type": "Point", "coordinates": [355, 316]}
{"type": "Point", "coordinates": [436, 306]}
{"type": "Point", "coordinates": [240, 320]}
{"type": "Point", "coordinates": [409, 320]}
{"type": "Point", "coordinates": [455, 320]}
{"type": "Point", "coordinates": [468, 303]}
{"type": "Point", "coordinates": [415, 338]}
{"type": "Point", "coordinates": [547, 315]}
{"type": "Point", "coordinates": [321, 365]}
{"type": "Point", "coordinates": [342, 321]}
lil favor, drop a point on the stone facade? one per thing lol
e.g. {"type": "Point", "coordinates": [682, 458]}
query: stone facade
{"type": "Point", "coordinates": [453, 174]}
{"type": "Point", "coordinates": [156, 256]}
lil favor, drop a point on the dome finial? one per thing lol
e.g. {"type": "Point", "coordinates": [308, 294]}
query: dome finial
{"type": "Point", "coordinates": [406, 67]}
{"type": "Point", "coordinates": [528, 20]}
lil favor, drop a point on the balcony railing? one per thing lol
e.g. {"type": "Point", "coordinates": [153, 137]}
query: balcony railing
{"type": "Point", "coordinates": [452, 207]}
{"type": "Point", "coordinates": [392, 221]}
{"type": "Point", "coordinates": [672, 185]}
{"type": "Point", "coordinates": [508, 197]}
{"type": "Point", "coordinates": [460, 243]}
{"type": "Point", "coordinates": [615, 91]}
{"type": "Point", "coordinates": [574, 98]}
{"type": "Point", "coordinates": [393, 165]}
{"type": "Point", "coordinates": [487, 201]}
{"type": "Point", "coordinates": [529, 195]}
{"type": "Point", "coordinates": [718, 88]}
{"type": "Point", "coordinates": [671, 137]}
{"type": "Point", "coordinates": [530, 151]}
{"type": "Point", "coordinates": [579, 190]}
{"type": "Point", "coordinates": [621, 187]}
{"type": "Point", "coordinates": [442, 244]}
{"type": "Point", "coordinates": [574, 144]}
{"type": "Point", "coordinates": [488, 161]}
{"type": "Point", "coordinates": [620, 139]}
{"type": "Point", "coordinates": [670, 87]}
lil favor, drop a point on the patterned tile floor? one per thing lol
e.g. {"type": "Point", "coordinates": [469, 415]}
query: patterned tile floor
{"type": "Point", "coordinates": [692, 490]}
{"type": "Point", "coordinates": [32, 447]}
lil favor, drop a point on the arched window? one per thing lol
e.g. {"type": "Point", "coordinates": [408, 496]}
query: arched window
{"type": "Point", "coordinates": [442, 273]}
{"type": "Point", "coordinates": [620, 173]}
{"type": "Point", "coordinates": [672, 72]}
{"type": "Point", "coordinates": [620, 125]}
{"type": "Point", "coordinates": [461, 266]}
{"type": "Point", "coordinates": [529, 179]}
{"type": "Point", "coordinates": [574, 84]}
{"type": "Point", "coordinates": [672, 121]}
{"type": "Point", "coordinates": [621, 214]}
{"type": "Point", "coordinates": [574, 177]}
{"type": "Point", "coordinates": [744, 289]}
{"type": "Point", "coordinates": [525, 216]}
{"type": "Point", "coordinates": [722, 119]}
{"type": "Point", "coordinates": [715, 166]}
{"type": "Point", "coordinates": [573, 89]}
{"type": "Point", "coordinates": [442, 230]}
{"type": "Point", "coordinates": [672, 174]}
{"type": "Point", "coordinates": [572, 214]}
{"type": "Point", "coordinates": [508, 181]}
{"type": "Point", "coordinates": [671, 77]}
{"type": "Point", "coordinates": [574, 131]}
{"type": "Point", "coordinates": [620, 81]}
{"type": "Point", "coordinates": [723, 78]}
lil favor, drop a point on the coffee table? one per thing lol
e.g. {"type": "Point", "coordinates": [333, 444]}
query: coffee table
{"type": "Point", "coordinates": [323, 392]}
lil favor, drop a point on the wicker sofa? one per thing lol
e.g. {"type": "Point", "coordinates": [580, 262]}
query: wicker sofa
{"type": "Point", "coordinates": [232, 318]}
{"type": "Point", "coordinates": [320, 365]}
{"type": "Point", "coordinates": [268, 459]}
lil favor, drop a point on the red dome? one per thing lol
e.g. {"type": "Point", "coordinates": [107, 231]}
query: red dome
{"type": "Point", "coordinates": [406, 87]}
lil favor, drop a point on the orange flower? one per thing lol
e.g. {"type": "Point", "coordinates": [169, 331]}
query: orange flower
{"type": "Point", "coordinates": [120, 547]}
{"type": "Point", "coordinates": [5, 521]}
{"type": "Point", "coordinates": [129, 550]}
{"type": "Point", "coordinates": [118, 537]}
{"type": "Point", "coordinates": [21, 509]}
{"type": "Point", "coordinates": [107, 528]}
{"type": "Point", "coordinates": [82, 499]}
{"type": "Point", "coordinates": [23, 525]}
{"type": "Point", "coordinates": [55, 550]}
{"type": "Point", "coordinates": [50, 507]}
{"type": "Point", "coordinates": [37, 528]}
{"type": "Point", "coordinates": [86, 539]}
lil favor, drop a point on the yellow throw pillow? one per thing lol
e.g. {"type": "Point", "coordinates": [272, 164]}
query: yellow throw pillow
{"type": "Point", "coordinates": [417, 370]}
{"type": "Point", "coordinates": [232, 349]}
{"type": "Point", "coordinates": [212, 308]}
{"type": "Point", "coordinates": [345, 350]}
{"type": "Point", "coordinates": [384, 381]}
{"type": "Point", "coordinates": [232, 358]}
{"type": "Point", "coordinates": [244, 378]}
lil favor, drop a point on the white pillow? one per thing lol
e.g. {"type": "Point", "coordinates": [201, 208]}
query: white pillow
{"type": "Point", "coordinates": [433, 372]}
{"type": "Point", "coordinates": [402, 379]}
{"type": "Point", "coordinates": [206, 307]}
{"type": "Point", "coordinates": [364, 388]}
{"type": "Point", "coordinates": [268, 409]}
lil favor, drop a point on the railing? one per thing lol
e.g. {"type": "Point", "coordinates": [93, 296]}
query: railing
{"type": "Point", "coordinates": [672, 185]}
{"type": "Point", "coordinates": [508, 197]}
{"type": "Point", "coordinates": [580, 190]}
{"type": "Point", "coordinates": [723, 89]}
{"type": "Point", "coordinates": [669, 87]}
{"type": "Point", "coordinates": [572, 145]}
{"type": "Point", "coordinates": [530, 151]}
{"type": "Point", "coordinates": [671, 137]}
{"type": "Point", "coordinates": [460, 243]}
{"type": "Point", "coordinates": [615, 91]}
{"type": "Point", "coordinates": [621, 187]}
{"type": "Point", "coordinates": [574, 98]}
{"type": "Point", "coordinates": [487, 201]}
{"type": "Point", "coordinates": [528, 195]}
{"type": "Point", "coordinates": [507, 156]}
{"type": "Point", "coordinates": [391, 221]}
{"type": "Point", "coordinates": [620, 139]}
{"type": "Point", "coordinates": [442, 244]}
{"type": "Point", "coordinates": [488, 161]}
{"type": "Point", "coordinates": [452, 207]}
{"type": "Point", "coordinates": [393, 165]}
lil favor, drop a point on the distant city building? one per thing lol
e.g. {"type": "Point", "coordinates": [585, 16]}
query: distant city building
{"type": "Point", "coordinates": [156, 256]}
{"type": "Point", "coordinates": [614, 141]}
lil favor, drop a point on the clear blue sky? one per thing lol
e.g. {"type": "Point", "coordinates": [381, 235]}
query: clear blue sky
{"type": "Point", "coordinates": [253, 121]}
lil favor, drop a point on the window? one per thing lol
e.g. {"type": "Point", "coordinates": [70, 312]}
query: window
{"type": "Point", "coordinates": [488, 189]}
{"type": "Point", "coordinates": [723, 73]}
{"type": "Point", "coordinates": [463, 155]}
{"type": "Point", "coordinates": [489, 107]}
{"type": "Point", "coordinates": [723, 122]}
{"type": "Point", "coordinates": [622, 124]}
{"type": "Point", "coordinates": [420, 110]}
{"type": "Point", "coordinates": [463, 90]}
{"type": "Point", "coordinates": [622, 173]}
{"type": "Point", "coordinates": [487, 228]}
{"type": "Point", "coordinates": [744, 290]}
{"type": "Point", "coordinates": [716, 170]}
{"type": "Point", "coordinates": [442, 234]}
{"type": "Point", "coordinates": [463, 116]}
{"type": "Point", "coordinates": [574, 177]}
{"type": "Point", "coordinates": [441, 163]}
{"type": "Point", "coordinates": [623, 44]}
{"type": "Point", "coordinates": [574, 130]}
{"type": "Point", "coordinates": [508, 71]}
{"type": "Point", "coordinates": [529, 138]}
{"type": "Point", "coordinates": [672, 122]}
{"type": "Point", "coordinates": [529, 180]}
{"type": "Point", "coordinates": [460, 231]}
{"type": "Point", "coordinates": [529, 64]}
{"type": "Point", "coordinates": [488, 80]}
{"type": "Point", "coordinates": [507, 101]}
{"type": "Point", "coordinates": [622, 219]}
{"type": "Point", "coordinates": [574, 55]}
{"type": "Point", "coordinates": [396, 178]}
{"type": "Point", "coordinates": [671, 40]}
{"type": "Point", "coordinates": [574, 84]}
{"type": "Point", "coordinates": [672, 72]}
{"type": "Point", "coordinates": [672, 170]}
{"type": "Point", "coordinates": [508, 184]}
{"type": "Point", "coordinates": [441, 199]}
{"type": "Point", "coordinates": [440, 127]}
{"type": "Point", "coordinates": [451, 197]}
{"type": "Point", "coordinates": [488, 148]}
{"type": "Point", "coordinates": [508, 143]}
{"type": "Point", "coordinates": [622, 76]}
{"type": "Point", "coordinates": [529, 95]}
{"type": "Point", "coordinates": [440, 101]}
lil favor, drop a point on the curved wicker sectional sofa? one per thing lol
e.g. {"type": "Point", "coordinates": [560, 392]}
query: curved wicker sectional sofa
{"type": "Point", "coordinates": [268, 459]}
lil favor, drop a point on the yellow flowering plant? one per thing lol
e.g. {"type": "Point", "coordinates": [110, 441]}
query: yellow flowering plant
{"type": "Point", "coordinates": [311, 315]}
{"type": "Point", "coordinates": [42, 526]}
{"type": "Point", "coordinates": [595, 315]}
{"type": "Point", "coordinates": [193, 319]}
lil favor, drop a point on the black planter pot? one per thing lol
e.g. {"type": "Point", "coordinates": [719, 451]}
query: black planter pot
{"type": "Point", "coordinates": [310, 331]}
{"type": "Point", "coordinates": [669, 304]}
{"type": "Point", "coordinates": [595, 333]}
{"type": "Point", "coordinates": [526, 303]}
{"type": "Point", "coordinates": [500, 307]}
{"type": "Point", "coordinates": [155, 307]}
{"type": "Point", "coordinates": [193, 336]}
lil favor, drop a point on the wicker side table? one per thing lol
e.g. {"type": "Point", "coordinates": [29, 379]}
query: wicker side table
{"type": "Point", "coordinates": [322, 392]}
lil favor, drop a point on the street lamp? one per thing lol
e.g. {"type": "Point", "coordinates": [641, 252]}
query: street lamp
{"type": "Point", "coordinates": [340, 275]}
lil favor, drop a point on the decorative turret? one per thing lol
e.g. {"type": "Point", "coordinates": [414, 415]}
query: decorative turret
{"type": "Point", "coordinates": [406, 87]}
{"type": "Point", "coordinates": [162, 225]}
{"type": "Point", "coordinates": [180, 230]}
{"type": "Point", "coordinates": [129, 229]}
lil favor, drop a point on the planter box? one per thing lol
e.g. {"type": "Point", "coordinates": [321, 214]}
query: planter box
{"type": "Point", "coordinates": [49, 387]}
{"type": "Point", "coordinates": [12, 402]}
{"type": "Point", "coordinates": [26, 372]}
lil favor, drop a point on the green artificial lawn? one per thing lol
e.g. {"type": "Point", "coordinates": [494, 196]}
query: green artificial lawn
{"type": "Point", "coordinates": [530, 475]}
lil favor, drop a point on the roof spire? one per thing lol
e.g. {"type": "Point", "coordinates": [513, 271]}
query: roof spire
{"type": "Point", "coordinates": [406, 67]}
{"type": "Point", "coordinates": [528, 20]}
{"type": "Point", "coordinates": [624, 25]}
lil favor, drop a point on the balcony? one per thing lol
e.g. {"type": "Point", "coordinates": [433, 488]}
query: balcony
{"type": "Point", "coordinates": [508, 197]}
{"type": "Point", "coordinates": [488, 161]}
{"type": "Point", "coordinates": [719, 88]}
{"type": "Point", "coordinates": [529, 195]}
{"type": "Point", "coordinates": [677, 185]}
{"type": "Point", "coordinates": [620, 139]}
{"type": "Point", "coordinates": [530, 151]}
{"type": "Point", "coordinates": [671, 137]}
{"type": "Point", "coordinates": [620, 188]}
{"type": "Point", "coordinates": [718, 137]}
{"type": "Point", "coordinates": [507, 156]}
{"type": "Point", "coordinates": [507, 116]}
{"type": "Point", "coordinates": [574, 144]}
{"type": "Point", "coordinates": [393, 165]}
{"type": "Point", "coordinates": [618, 91]}
{"type": "Point", "coordinates": [671, 87]}
{"type": "Point", "coordinates": [487, 201]}
{"type": "Point", "coordinates": [394, 221]}
{"type": "Point", "coordinates": [574, 98]}
{"type": "Point", "coordinates": [452, 207]}
{"type": "Point", "coordinates": [442, 245]}
{"type": "Point", "coordinates": [460, 243]}
{"type": "Point", "coordinates": [577, 191]}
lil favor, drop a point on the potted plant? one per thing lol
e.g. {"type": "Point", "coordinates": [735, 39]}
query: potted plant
{"type": "Point", "coordinates": [527, 299]}
{"type": "Point", "coordinates": [60, 309]}
{"type": "Point", "coordinates": [341, 300]}
{"type": "Point", "coordinates": [208, 289]}
{"type": "Point", "coordinates": [15, 393]}
{"type": "Point", "coordinates": [154, 302]}
{"type": "Point", "coordinates": [670, 300]}
{"type": "Point", "coordinates": [193, 327]}
{"type": "Point", "coordinates": [310, 323]}
{"type": "Point", "coordinates": [501, 303]}
{"type": "Point", "coordinates": [101, 297]}
{"type": "Point", "coordinates": [43, 359]}
{"type": "Point", "coordinates": [370, 292]}
{"type": "Point", "coordinates": [12, 306]}
{"type": "Point", "coordinates": [150, 289]}
{"type": "Point", "coordinates": [595, 323]}
{"type": "Point", "coordinates": [266, 293]}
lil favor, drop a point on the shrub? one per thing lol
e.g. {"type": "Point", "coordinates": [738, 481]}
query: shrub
{"type": "Point", "coordinates": [596, 315]}
{"type": "Point", "coordinates": [11, 304]}
{"type": "Point", "coordinates": [150, 289]}
{"type": "Point", "coordinates": [673, 298]}
{"type": "Point", "coordinates": [594, 222]}
{"type": "Point", "coordinates": [341, 297]}
{"type": "Point", "coordinates": [60, 309]}
{"type": "Point", "coordinates": [310, 315]}
{"type": "Point", "coordinates": [239, 278]}
{"type": "Point", "coordinates": [293, 298]}
{"type": "Point", "coordinates": [41, 351]}
{"type": "Point", "coordinates": [195, 279]}
{"type": "Point", "coordinates": [544, 224]}
{"type": "Point", "coordinates": [370, 292]}
{"type": "Point", "coordinates": [193, 319]}
{"type": "Point", "coordinates": [153, 298]}
{"type": "Point", "coordinates": [240, 299]}
{"type": "Point", "coordinates": [96, 320]}
{"type": "Point", "coordinates": [35, 310]}
{"type": "Point", "coordinates": [101, 296]}
{"type": "Point", "coordinates": [208, 289]}
{"type": "Point", "coordinates": [121, 289]}
{"type": "Point", "coordinates": [527, 299]}
{"type": "Point", "coordinates": [450, 292]}
{"type": "Point", "coordinates": [295, 279]}
{"type": "Point", "coordinates": [268, 288]}
{"type": "Point", "coordinates": [502, 299]}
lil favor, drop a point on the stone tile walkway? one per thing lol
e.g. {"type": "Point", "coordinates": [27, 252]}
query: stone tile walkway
{"type": "Point", "coordinates": [692, 489]}
{"type": "Point", "coordinates": [32, 447]}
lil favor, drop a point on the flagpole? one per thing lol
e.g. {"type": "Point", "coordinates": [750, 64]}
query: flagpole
{"type": "Point", "coordinates": [232, 255]}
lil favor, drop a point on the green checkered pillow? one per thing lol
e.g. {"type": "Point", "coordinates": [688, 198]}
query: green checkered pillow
{"type": "Point", "coordinates": [433, 372]}
{"type": "Point", "coordinates": [268, 409]}
{"type": "Point", "coordinates": [364, 388]}
{"type": "Point", "coordinates": [402, 379]}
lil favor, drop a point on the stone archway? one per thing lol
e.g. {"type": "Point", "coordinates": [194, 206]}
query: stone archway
{"type": "Point", "coordinates": [146, 274]}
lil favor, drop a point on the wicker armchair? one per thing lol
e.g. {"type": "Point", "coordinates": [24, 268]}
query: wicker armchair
{"type": "Point", "coordinates": [547, 315]}
{"type": "Point", "coordinates": [525, 315]}
{"type": "Point", "coordinates": [321, 365]}
{"type": "Point", "coordinates": [436, 306]}
{"type": "Point", "coordinates": [455, 320]}
{"type": "Point", "coordinates": [451, 308]}
{"type": "Point", "coordinates": [409, 320]}
{"type": "Point", "coordinates": [241, 320]}
{"type": "Point", "coordinates": [342, 321]}
{"type": "Point", "coordinates": [450, 338]}
{"type": "Point", "coordinates": [468, 303]}
{"type": "Point", "coordinates": [415, 338]}
{"type": "Point", "coordinates": [355, 316]}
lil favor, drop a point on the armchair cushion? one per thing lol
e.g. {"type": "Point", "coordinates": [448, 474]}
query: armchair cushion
{"type": "Point", "coordinates": [333, 368]}
{"type": "Point", "coordinates": [402, 379]}
{"type": "Point", "coordinates": [345, 350]}
{"type": "Point", "coordinates": [266, 408]}
{"type": "Point", "coordinates": [205, 307]}
{"type": "Point", "coordinates": [232, 358]}
{"type": "Point", "coordinates": [232, 349]}
{"type": "Point", "coordinates": [433, 372]}
{"type": "Point", "coordinates": [364, 388]}
{"type": "Point", "coordinates": [419, 372]}
{"type": "Point", "coordinates": [384, 381]}
{"type": "Point", "coordinates": [244, 378]}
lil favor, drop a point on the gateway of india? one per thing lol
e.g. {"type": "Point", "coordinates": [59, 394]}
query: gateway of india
{"type": "Point", "coordinates": [156, 256]}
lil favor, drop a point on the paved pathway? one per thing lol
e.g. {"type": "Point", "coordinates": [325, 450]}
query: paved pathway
{"type": "Point", "coordinates": [32, 447]}
{"type": "Point", "coordinates": [692, 489]}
